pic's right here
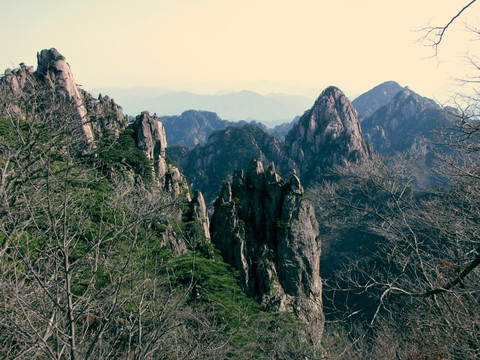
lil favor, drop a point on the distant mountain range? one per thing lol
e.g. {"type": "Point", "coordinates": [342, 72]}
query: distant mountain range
{"type": "Point", "coordinates": [399, 119]}
{"type": "Point", "coordinates": [271, 109]}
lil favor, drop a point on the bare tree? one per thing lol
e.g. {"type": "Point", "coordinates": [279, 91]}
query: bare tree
{"type": "Point", "coordinates": [419, 274]}
{"type": "Point", "coordinates": [84, 272]}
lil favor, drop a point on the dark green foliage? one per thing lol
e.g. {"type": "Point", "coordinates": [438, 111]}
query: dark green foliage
{"type": "Point", "coordinates": [250, 331]}
{"type": "Point", "coordinates": [227, 151]}
{"type": "Point", "coordinates": [122, 151]}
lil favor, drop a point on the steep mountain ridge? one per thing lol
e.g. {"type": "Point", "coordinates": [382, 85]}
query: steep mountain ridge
{"type": "Point", "coordinates": [328, 134]}
{"type": "Point", "coordinates": [97, 124]}
{"type": "Point", "coordinates": [325, 136]}
{"type": "Point", "coordinates": [400, 124]}
{"type": "Point", "coordinates": [133, 157]}
{"type": "Point", "coordinates": [369, 102]}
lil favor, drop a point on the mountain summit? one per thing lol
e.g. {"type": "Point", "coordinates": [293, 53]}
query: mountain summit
{"type": "Point", "coordinates": [328, 134]}
{"type": "Point", "coordinates": [369, 102]}
{"type": "Point", "coordinates": [400, 124]}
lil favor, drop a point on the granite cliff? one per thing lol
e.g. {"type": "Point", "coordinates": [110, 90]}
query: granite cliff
{"type": "Point", "coordinates": [266, 228]}
{"type": "Point", "coordinates": [328, 134]}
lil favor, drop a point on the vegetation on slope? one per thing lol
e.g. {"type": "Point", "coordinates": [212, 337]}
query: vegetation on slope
{"type": "Point", "coordinates": [86, 266]}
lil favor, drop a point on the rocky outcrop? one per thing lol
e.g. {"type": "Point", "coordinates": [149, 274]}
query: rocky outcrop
{"type": "Point", "coordinates": [328, 134]}
{"type": "Point", "coordinates": [197, 225]}
{"type": "Point", "coordinates": [52, 86]}
{"type": "Point", "coordinates": [150, 138]}
{"type": "Point", "coordinates": [104, 115]}
{"type": "Point", "coordinates": [54, 70]}
{"type": "Point", "coordinates": [266, 228]}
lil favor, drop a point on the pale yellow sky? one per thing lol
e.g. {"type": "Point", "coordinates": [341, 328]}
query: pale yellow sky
{"type": "Point", "coordinates": [293, 46]}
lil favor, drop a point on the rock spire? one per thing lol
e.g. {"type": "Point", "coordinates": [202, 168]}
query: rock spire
{"type": "Point", "coordinates": [266, 228]}
{"type": "Point", "coordinates": [328, 134]}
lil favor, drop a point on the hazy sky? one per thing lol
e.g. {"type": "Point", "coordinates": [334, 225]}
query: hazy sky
{"type": "Point", "coordinates": [295, 46]}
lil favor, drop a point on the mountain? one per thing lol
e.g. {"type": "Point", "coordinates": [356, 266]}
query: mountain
{"type": "Point", "coordinates": [369, 102]}
{"type": "Point", "coordinates": [226, 151]}
{"type": "Point", "coordinates": [271, 109]}
{"type": "Point", "coordinates": [402, 123]}
{"type": "Point", "coordinates": [328, 134]}
{"type": "Point", "coordinates": [192, 127]}
{"type": "Point", "coordinates": [101, 227]}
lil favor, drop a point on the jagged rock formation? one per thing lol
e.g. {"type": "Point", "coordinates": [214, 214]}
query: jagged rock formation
{"type": "Point", "coordinates": [96, 119]}
{"type": "Point", "coordinates": [197, 212]}
{"type": "Point", "coordinates": [369, 102]}
{"type": "Point", "coordinates": [192, 127]}
{"type": "Point", "coordinates": [266, 228]}
{"type": "Point", "coordinates": [53, 69]}
{"type": "Point", "coordinates": [52, 83]}
{"type": "Point", "coordinates": [150, 138]}
{"type": "Point", "coordinates": [328, 134]}
{"type": "Point", "coordinates": [104, 115]}
{"type": "Point", "coordinates": [400, 125]}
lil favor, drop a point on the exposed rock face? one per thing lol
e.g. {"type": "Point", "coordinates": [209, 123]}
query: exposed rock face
{"type": "Point", "coordinates": [105, 115]}
{"type": "Point", "coordinates": [369, 102]}
{"type": "Point", "coordinates": [400, 125]}
{"type": "Point", "coordinates": [151, 139]}
{"type": "Point", "coordinates": [53, 68]}
{"type": "Point", "coordinates": [326, 135]}
{"type": "Point", "coordinates": [197, 213]}
{"type": "Point", "coordinates": [266, 228]}
{"type": "Point", "coordinates": [19, 80]}
{"type": "Point", "coordinates": [53, 82]}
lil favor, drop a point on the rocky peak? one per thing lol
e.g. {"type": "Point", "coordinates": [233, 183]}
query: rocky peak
{"type": "Point", "coordinates": [400, 124]}
{"type": "Point", "coordinates": [369, 102]}
{"type": "Point", "coordinates": [266, 228]}
{"type": "Point", "coordinates": [54, 69]}
{"type": "Point", "coordinates": [53, 65]}
{"type": "Point", "coordinates": [53, 82]}
{"type": "Point", "coordinates": [326, 135]}
{"type": "Point", "coordinates": [150, 138]}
